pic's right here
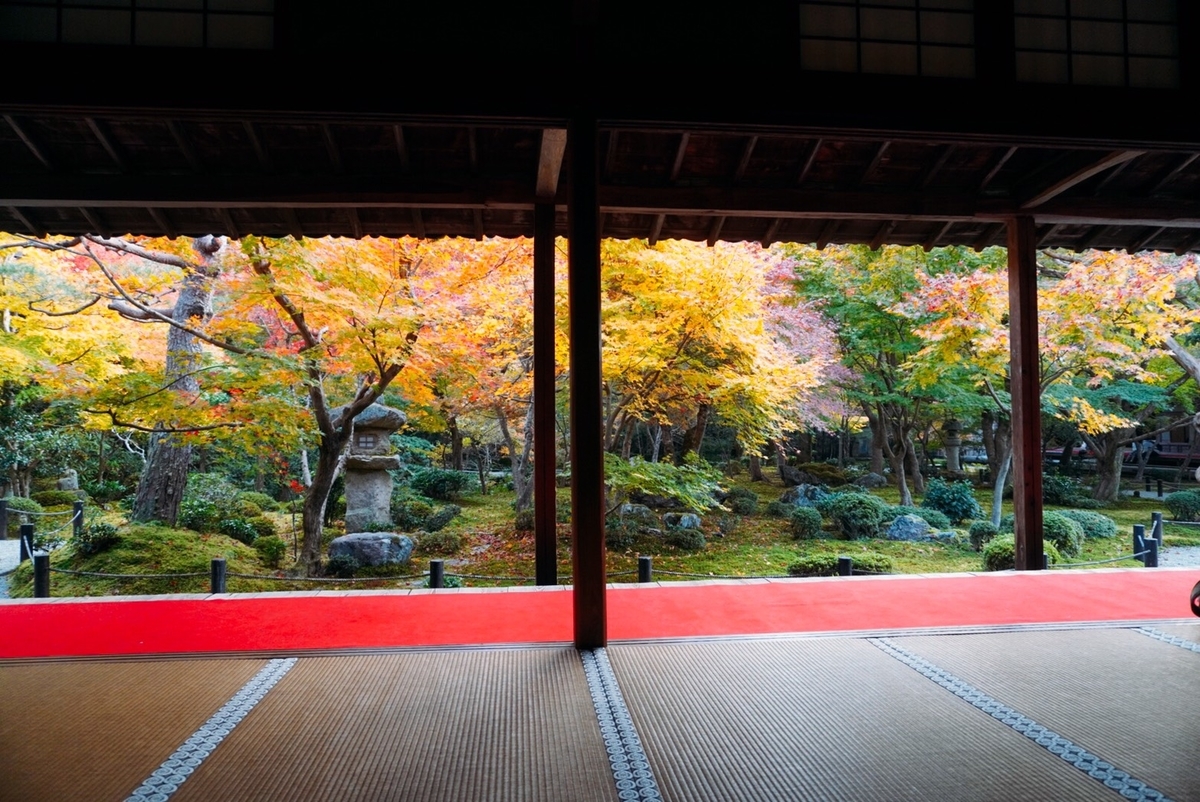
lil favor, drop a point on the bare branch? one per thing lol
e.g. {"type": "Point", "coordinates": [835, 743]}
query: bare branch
{"type": "Point", "coordinates": [48, 313]}
{"type": "Point", "coordinates": [121, 246]}
{"type": "Point", "coordinates": [263, 268]}
{"type": "Point", "coordinates": [112, 416]}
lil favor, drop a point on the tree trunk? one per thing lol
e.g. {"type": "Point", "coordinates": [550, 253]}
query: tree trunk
{"type": "Point", "coordinates": [329, 464]}
{"type": "Point", "coordinates": [656, 442]}
{"type": "Point", "coordinates": [756, 474]}
{"type": "Point", "coordinates": [914, 465]}
{"type": "Point", "coordinates": [693, 438]}
{"type": "Point", "coordinates": [998, 489]}
{"type": "Point", "coordinates": [456, 444]}
{"type": "Point", "coordinates": [522, 480]}
{"type": "Point", "coordinates": [877, 456]}
{"type": "Point", "coordinates": [1108, 473]}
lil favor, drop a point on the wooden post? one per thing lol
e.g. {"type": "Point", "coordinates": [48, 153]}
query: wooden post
{"type": "Point", "coordinates": [77, 519]}
{"type": "Point", "coordinates": [544, 484]}
{"type": "Point", "coordinates": [1025, 385]}
{"type": "Point", "coordinates": [3, 519]}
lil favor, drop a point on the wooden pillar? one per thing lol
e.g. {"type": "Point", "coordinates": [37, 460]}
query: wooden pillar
{"type": "Point", "coordinates": [544, 485]}
{"type": "Point", "coordinates": [1026, 393]}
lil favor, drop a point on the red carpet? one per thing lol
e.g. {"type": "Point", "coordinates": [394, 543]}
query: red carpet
{"type": "Point", "coordinates": [232, 624]}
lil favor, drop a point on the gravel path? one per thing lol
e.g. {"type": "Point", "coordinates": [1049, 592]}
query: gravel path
{"type": "Point", "coordinates": [1179, 556]}
{"type": "Point", "coordinates": [10, 552]}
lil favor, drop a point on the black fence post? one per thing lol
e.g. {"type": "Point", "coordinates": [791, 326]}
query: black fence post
{"type": "Point", "coordinates": [845, 566]}
{"type": "Point", "coordinates": [1147, 484]}
{"type": "Point", "coordinates": [645, 569]}
{"type": "Point", "coordinates": [437, 574]}
{"type": "Point", "coordinates": [1151, 558]}
{"type": "Point", "coordinates": [3, 519]}
{"type": "Point", "coordinates": [41, 575]}
{"type": "Point", "coordinates": [1160, 495]}
{"type": "Point", "coordinates": [26, 547]}
{"type": "Point", "coordinates": [1139, 540]}
{"type": "Point", "coordinates": [216, 575]}
{"type": "Point", "coordinates": [78, 519]}
{"type": "Point", "coordinates": [1156, 527]}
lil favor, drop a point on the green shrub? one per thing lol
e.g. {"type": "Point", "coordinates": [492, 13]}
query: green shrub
{"type": "Point", "coordinates": [980, 533]}
{"type": "Point", "coordinates": [1184, 505]}
{"type": "Point", "coordinates": [824, 473]}
{"type": "Point", "coordinates": [686, 539]}
{"type": "Point", "coordinates": [440, 484]}
{"type": "Point", "coordinates": [377, 526]}
{"type": "Point", "coordinates": [244, 509]}
{"type": "Point", "coordinates": [213, 487]}
{"type": "Point", "coordinates": [200, 515]}
{"type": "Point", "coordinates": [954, 499]}
{"type": "Point", "coordinates": [105, 491]}
{"type": "Point", "coordinates": [936, 519]}
{"type": "Point", "coordinates": [805, 523]}
{"type": "Point", "coordinates": [443, 516]}
{"type": "Point", "coordinates": [96, 538]}
{"type": "Point", "coordinates": [562, 510]}
{"type": "Point", "coordinates": [239, 529]}
{"type": "Point", "coordinates": [779, 509]}
{"type": "Point", "coordinates": [410, 514]}
{"type": "Point", "coordinates": [1094, 524]}
{"type": "Point", "coordinates": [271, 550]}
{"type": "Point", "coordinates": [826, 564]}
{"type": "Point", "coordinates": [619, 535]}
{"type": "Point", "coordinates": [55, 498]}
{"type": "Point", "coordinates": [1063, 490]}
{"type": "Point", "coordinates": [448, 581]}
{"type": "Point", "coordinates": [858, 515]}
{"type": "Point", "coordinates": [17, 505]}
{"type": "Point", "coordinates": [1001, 553]}
{"type": "Point", "coordinates": [343, 566]}
{"type": "Point", "coordinates": [742, 501]}
{"type": "Point", "coordinates": [438, 543]}
{"type": "Point", "coordinates": [1064, 533]}
{"type": "Point", "coordinates": [261, 500]}
{"type": "Point", "coordinates": [524, 521]}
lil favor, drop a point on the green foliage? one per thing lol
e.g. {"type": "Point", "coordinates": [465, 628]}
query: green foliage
{"type": "Point", "coordinates": [262, 501]}
{"type": "Point", "coordinates": [438, 543]}
{"type": "Point", "coordinates": [524, 522]}
{"type": "Point", "coordinates": [805, 523]}
{"type": "Point", "coordinates": [936, 519]}
{"type": "Point", "coordinates": [1064, 533]}
{"type": "Point", "coordinates": [199, 514]}
{"type": "Point", "coordinates": [685, 539]}
{"type": "Point", "coordinates": [980, 533]}
{"type": "Point", "coordinates": [55, 498]}
{"type": "Point", "coordinates": [95, 538]}
{"type": "Point", "coordinates": [826, 564]}
{"type": "Point", "coordinates": [1184, 505]}
{"type": "Point", "coordinates": [618, 534]}
{"type": "Point", "coordinates": [439, 483]}
{"type": "Point", "coordinates": [271, 550]}
{"type": "Point", "coordinates": [104, 491]}
{"type": "Point", "coordinates": [954, 499]}
{"type": "Point", "coordinates": [16, 505]}
{"type": "Point", "coordinates": [1001, 553]}
{"type": "Point", "coordinates": [780, 509]}
{"type": "Point", "coordinates": [1094, 524]}
{"type": "Point", "coordinates": [208, 501]}
{"type": "Point", "coordinates": [691, 484]}
{"type": "Point", "coordinates": [857, 515]}
{"type": "Point", "coordinates": [562, 510]}
{"type": "Point", "coordinates": [443, 516]}
{"type": "Point", "coordinates": [743, 501]}
{"type": "Point", "coordinates": [1063, 491]}
{"type": "Point", "coordinates": [343, 566]}
{"type": "Point", "coordinates": [240, 529]}
{"type": "Point", "coordinates": [825, 474]}
{"type": "Point", "coordinates": [448, 581]}
{"type": "Point", "coordinates": [377, 526]}
{"type": "Point", "coordinates": [410, 513]}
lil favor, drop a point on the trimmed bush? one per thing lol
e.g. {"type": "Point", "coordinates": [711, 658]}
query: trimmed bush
{"type": "Point", "coordinates": [525, 521]}
{"type": "Point", "coordinates": [562, 510]}
{"type": "Point", "coordinates": [1064, 533]}
{"type": "Point", "coordinates": [438, 543]}
{"type": "Point", "coordinates": [271, 550]}
{"type": "Point", "coordinates": [377, 526]}
{"type": "Point", "coordinates": [105, 491]}
{"type": "Point", "coordinates": [824, 473]}
{"type": "Point", "coordinates": [239, 529]}
{"type": "Point", "coordinates": [56, 498]}
{"type": "Point", "coordinates": [956, 500]}
{"type": "Point", "coordinates": [1001, 553]}
{"type": "Point", "coordinates": [619, 535]}
{"type": "Point", "coordinates": [17, 505]}
{"type": "Point", "coordinates": [343, 566]}
{"type": "Point", "coordinates": [1094, 524]}
{"type": "Point", "coordinates": [261, 500]}
{"type": "Point", "coordinates": [805, 523]}
{"type": "Point", "coordinates": [443, 516]}
{"type": "Point", "coordinates": [686, 539]}
{"type": "Point", "coordinates": [858, 515]}
{"type": "Point", "coordinates": [779, 509]}
{"type": "Point", "coordinates": [440, 484]}
{"type": "Point", "coordinates": [980, 533]}
{"type": "Point", "coordinates": [743, 501]}
{"type": "Point", "coordinates": [1063, 491]}
{"type": "Point", "coordinates": [826, 564]}
{"type": "Point", "coordinates": [263, 527]}
{"type": "Point", "coordinates": [200, 514]}
{"type": "Point", "coordinates": [409, 513]}
{"type": "Point", "coordinates": [936, 520]}
{"type": "Point", "coordinates": [1184, 505]}
{"type": "Point", "coordinates": [96, 538]}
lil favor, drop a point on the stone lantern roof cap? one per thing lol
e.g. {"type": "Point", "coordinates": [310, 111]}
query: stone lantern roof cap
{"type": "Point", "coordinates": [379, 416]}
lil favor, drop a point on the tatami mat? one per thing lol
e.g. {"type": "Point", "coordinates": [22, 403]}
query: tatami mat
{"type": "Point", "coordinates": [495, 724]}
{"type": "Point", "coordinates": [94, 731]}
{"type": "Point", "coordinates": [1128, 698]}
{"type": "Point", "coordinates": [832, 719]}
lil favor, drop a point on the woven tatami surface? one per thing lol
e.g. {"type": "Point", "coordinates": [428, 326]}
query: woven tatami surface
{"type": "Point", "coordinates": [493, 724]}
{"type": "Point", "coordinates": [821, 719]}
{"type": "Point", "coordinates": [1130, 699]}
{"type": "Point", "coordinates": [94, 731]}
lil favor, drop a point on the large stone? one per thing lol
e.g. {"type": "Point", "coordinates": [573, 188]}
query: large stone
{"type": "Point", "coordinates": [368, 498]}
{"type": "Point", "coordinates": [681, 520]}
{"type": "Point", "coordinates": [372, 462]}
{"type": "Point", "coordinates": [791, 476]}
{"type": "Point", "coordinates": [373, 548]}
{"type": "Point", "coordinates": [871, 481]}
{"type": "Point", "coordinates": [803, 495]}
{"type": "Point", "coordinates": [908, 527]}
{"type": "Point", "coordinates": [638, 514]}
{"type": "Point", "coordinates": [70, 481]}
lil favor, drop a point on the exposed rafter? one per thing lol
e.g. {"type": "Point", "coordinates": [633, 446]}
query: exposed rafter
{"type": "Point", "coordinates": [184, 143]}
{"type": "Point", "coordinates": [996, 167]}
{"type": "Point", "coordinates": [550, 159]}
{"type": "Point", "coordinates": [110, 147]}
{"type": "Point", "coordinates": [988, 237]}
{"type": "Point", "coordinates": [772, 231]}
{"type": "Point", "coordinates": [809, 159]}
{"type": "Point", "coordinates": [331, 147]}
{"type": "Point", "coordinates": [1075, 176]}
{"type": "Point", "coordinates": [26, 219]}
{"type": "Point", "coordinates": [744, 162]}
{"type": "Point", "coordinates": [931, 242]}
{"type": "Point", "coordinates": [679, 153]}
{"type": "Point", "coordinates": [656, 228]}
{"type": "Point", "coordinates": [93, 220]}
{"type": "Point", "coordinates": [260, 147]}
{"type": "Point", "coordinates": [472, 151]}
{"type": "Point", "coordinates": [1047, 233]}
{"type": "Point", "coordinates": [230, 226]}
{"type": "Point", "coordinates": [163, 221]}
{"type": "Point", "coordinates": [37, 150]}
{"type": "Point", "coordinates": [401, 148]}
{"type": "Point", "coordinates": [882, 234]}
{"type": "Point", "coordinates": [826, 235]}
{"type": "Point", "coordinates": [1169, 175]}
{"type": "Point", "coordinates": [714, 230]}
{"type": "Point", "coordinates": [943, 155]}
{"type": "Point", "coordinates": [880, 152]}
{"type": "Point", "coordinates": [477, 220]}
{"type": "Point", "coordinates": [1142, 243]}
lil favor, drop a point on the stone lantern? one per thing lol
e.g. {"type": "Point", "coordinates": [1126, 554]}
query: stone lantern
{"type": "Point", "coordinates": [952, 440]}
{"type": "Point", "coordinates": [368, 483]}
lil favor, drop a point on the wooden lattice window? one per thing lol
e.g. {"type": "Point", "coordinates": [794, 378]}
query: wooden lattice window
{"type": "Point", "coordinates": [240, 24]}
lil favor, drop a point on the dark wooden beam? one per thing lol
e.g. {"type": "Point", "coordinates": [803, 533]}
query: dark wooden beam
{"type": "Point", "coordinates": [401, 148]}
{"type": "Point", "coordinates": [1076, 176]}
{"type": "Point", "coordinates": [772, 231]}
{"type": "Point", "coordinates": [106, 141]}
{"type": "Point", "coordinates": [610, 155]}
{"type": "Point", "coordinates": [1025, 382]}
{"type": "Point", "coordinates": [679, 153]}
{"type": "Point", "coordinates": [882, 234]}
{"type": "Point", "coordinates": [943, 155]}
{"type": "Point", "coordinates": [1141, 243]}
{"type": "Point", "coordinates": [587, 419]}
{"type": "Point", "coordinates": [807, 162]}
{"type": "Point", "coordinates": [1109, 177]}
{"type": "Point", "coordinates": [880, 152]}
{"type": "Point", "coordinates": [93, 220]}
{"type": "Point", "coordinates": [477, 222]}
{"type": "Point", "coordinates": [988, 236]}
{"type": "Point", "coordinates": [550, 159]}
{"type": "Point", "coordinates": [230, 226]}
{"type": "Point", "coordinates": [1045, 236]}
{"type": "Point", "coordinates": [184, 143]}
{"type": "Point", "coordinates": [160, 218]}
{"type": "Point", "coordinates": [31, 144]}
{"type": "Point", "coordinates": [1092, 237]}
{"type": "Point", "coordinates": [293, 223]}
{"type": "Point", "coordinates": [744, 162]}
{"type": "Point", "coordinates": [472, 151]}
{"type": "Point", "coordinates": [545, 451]}
{"type": "Point", "coordinates": [355, 223]}
{"type": "Point", "coordinates": [1170, 175]}
{"type": "Point", "coordinates": [714, 230]}
{"type": "Point", "coordinates": [656, 228]}
{"type": "Point", "coordinates": [331, 148]}
{"type": "Point", "coordinates": [826, 234]}
{"type": "Point", "coordinates": [931, 242]}
{"type": "Point", "coordinates": [418, 223]}
{"type": "Point", "coordinates": [1189, 245]}
{"type": "Point", "coordinates": [259, 147]}
{"type": "Point", "coordinates": [996, 167]}
{"type": "Point", "coordinates": [26, 219]}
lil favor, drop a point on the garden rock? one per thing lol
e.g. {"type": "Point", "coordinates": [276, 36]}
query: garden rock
{"type": "Point", "coordinates": [803, 495]}
{"type": "Point", "coordinates": [681, 520]}
{"type": "Point", "coordinates": [791, 476]}
{"type": "Point", "coordinates": [70, 481]}
{"type": "Point", "coordinates": [639, 514]}
{"type": "Point", "coordinates": [373, 548]}
{"type": "Point", "coordinates": [368, 498]}
{"type": "Point", "coordinates": [871, 481]}
{"type": "Point", "coordinates": [908, 527]}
